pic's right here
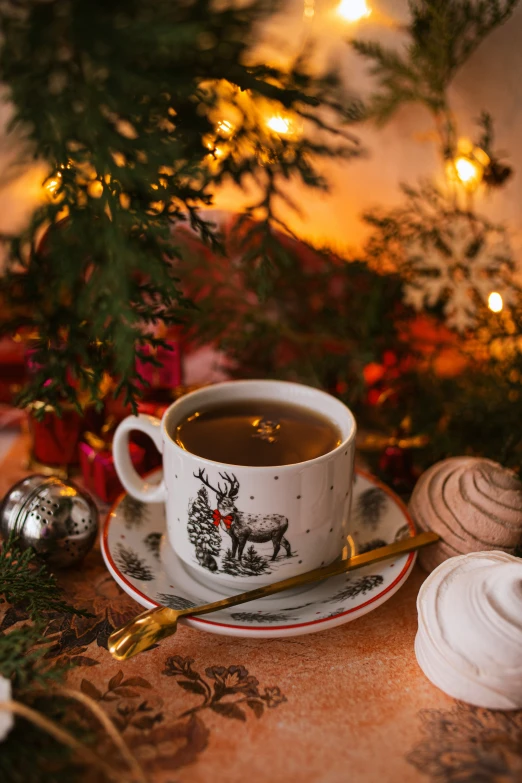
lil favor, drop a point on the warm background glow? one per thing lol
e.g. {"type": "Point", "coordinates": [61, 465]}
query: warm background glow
{"type": "Point", "coordinates": [353, 10]}
{"type": "Point", "coordinates": [402, 152]}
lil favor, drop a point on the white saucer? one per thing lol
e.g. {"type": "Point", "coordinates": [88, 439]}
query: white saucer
{"type": "Point", "coordinates": [136, 552]}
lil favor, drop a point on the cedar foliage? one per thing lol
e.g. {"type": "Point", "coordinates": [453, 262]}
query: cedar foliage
{"type": "Point", "coordinates": [122, 100]}
{"type": "Point", "coordinates": [26, 584]}
{"type": "Point", "coordinates": [442, 36]}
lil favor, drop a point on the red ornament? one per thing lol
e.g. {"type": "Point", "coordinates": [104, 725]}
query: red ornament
{"type": "Point", "coordinates": [396, 467]}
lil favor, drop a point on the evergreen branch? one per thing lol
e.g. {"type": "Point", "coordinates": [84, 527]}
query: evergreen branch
{"type": "Point", "coordinates": [122, 112]}
{"type": "Point", "coordinates": [22, 658]}
{"type": "Point", "coordinates": [443, 34]}
{"type": "Point", "coordinates": [25, 584]}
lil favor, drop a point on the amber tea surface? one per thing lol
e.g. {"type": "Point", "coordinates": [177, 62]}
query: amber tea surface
{"type": "Point", "coordinates": [257, 433]}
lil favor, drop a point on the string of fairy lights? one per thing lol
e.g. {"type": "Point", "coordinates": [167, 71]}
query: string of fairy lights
{"type": "Point", "coordinates": [464, 169]}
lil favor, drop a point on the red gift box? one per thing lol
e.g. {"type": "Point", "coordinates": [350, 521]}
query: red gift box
{"type": "Point", "coordinates": [166, 375]}
{"type": "Point", "coordinates": [99, 473]}
{"type": "Point", "coordinates": [12, 369]}
{"type": "Point", "coordinates": [55, 438]}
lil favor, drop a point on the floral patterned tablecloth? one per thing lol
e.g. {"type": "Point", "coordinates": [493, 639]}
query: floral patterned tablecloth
{"type": "Point", "coordinates": [349, 704]}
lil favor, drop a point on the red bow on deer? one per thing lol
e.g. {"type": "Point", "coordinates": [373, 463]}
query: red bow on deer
{"type": "Point", "coordinates": [218, 517]}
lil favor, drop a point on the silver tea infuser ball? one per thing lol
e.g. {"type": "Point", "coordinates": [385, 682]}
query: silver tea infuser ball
{"type": "Point", "coordinates": [52, 516]}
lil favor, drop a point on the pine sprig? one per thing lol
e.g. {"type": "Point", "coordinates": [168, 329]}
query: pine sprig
{"type": "Point", "coordinates": [122, 100]}
{"type": "Point", "coordinates": [26, 584]}
{"type": "Point", "coordinates": [22, 658]}
{"type": "Point", "coordinates": [443, 34]}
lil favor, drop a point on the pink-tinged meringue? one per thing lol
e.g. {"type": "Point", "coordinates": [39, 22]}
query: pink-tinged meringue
{"type": "Point", "coordinates": [473, 504]}
{"type": "Point", "coordinates": [469, 641]}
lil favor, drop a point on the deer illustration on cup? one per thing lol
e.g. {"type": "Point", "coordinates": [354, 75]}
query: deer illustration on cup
{"type": "Point", "coordinates": [243, 527]}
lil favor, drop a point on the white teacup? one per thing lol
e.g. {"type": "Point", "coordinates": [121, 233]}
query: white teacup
{"type": "Point", "coordinates": [236, 526]}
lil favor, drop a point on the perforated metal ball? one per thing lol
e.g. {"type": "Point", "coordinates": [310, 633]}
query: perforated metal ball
{"type": "Point", "coordinates": [53, 516]}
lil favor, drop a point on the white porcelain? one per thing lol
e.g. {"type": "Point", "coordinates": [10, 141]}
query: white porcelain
{"type": "Point", "coordinates": [240, 527]}
{"type": "Point", "coordinates": [138, 556]}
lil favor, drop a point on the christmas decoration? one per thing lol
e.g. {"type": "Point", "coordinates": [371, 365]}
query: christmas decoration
{"type": "Point", "coordinates": [473, 504]}
{"type": "Point", "coordinates": [469, 166]}
{"type": "Point", "coordinates": [51, 516]}
{"type": "Point", "coordinates": [470, 631]}
{"type": "Point", "coordinates": [12, 369]}
{"type": "Point", "coordinates": [460, 266]}
{"type": "Point", "coordinates": [97, 466]}
{"type": "Point", "coordinates": [55, 436]}
{"type": "Point", "coordinates": [395, 454]}
{"type": "Point", "coordinates": [353, 10]}
{"type": "Point", "coordinates": [396, 466]}
{"type": "Point", "coordinates": [343, 326]}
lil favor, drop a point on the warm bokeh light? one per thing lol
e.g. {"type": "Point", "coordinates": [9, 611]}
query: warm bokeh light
{"type": "Point", "coordinates": [468, 172]}
{"type": "Point", "coordinates": [495, 302]}
{"type": "Point", "coordinates": [225, 128]}
{"type": "Point", "coordinates": [284, 124]}
{"type": "Point", "coordinates": [468, 165]}
{"type": "Point", "coordinates": [280, 125]}
{"type": "Point", "coordinates": [53, 183]}
{"type": "Point", "coordinates": [353, 10]}
{"type": "Point", "coordinates": [309, 9]}
{"type": "Point", "coordinates": [95, 189]}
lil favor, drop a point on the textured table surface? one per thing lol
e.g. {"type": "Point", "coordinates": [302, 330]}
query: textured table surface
{"type": "Point", "coordinates": [349, 704]}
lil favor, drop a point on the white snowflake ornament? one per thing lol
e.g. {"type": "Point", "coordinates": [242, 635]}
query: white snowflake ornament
{"type": "Point", "coordinates": [460, 266]}
{"type": "Point", "coordinates": [6, 717]}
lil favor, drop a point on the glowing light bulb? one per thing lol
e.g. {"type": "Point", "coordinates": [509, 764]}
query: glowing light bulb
{"type": "Point", "coordinates": [53, 183]}
{"type": "Point", "coordinates": [225, 128]}
{"type": "Point", "coordinates": [280, 125]}
{"type": "Point", "coordinates": [353, 10]}
{"type": "Point", "coordinates": [468, 171]}
{"type": "Point", "coordinates": [495, 302]}
{"type": "Point", "coordinates": [468, 165]}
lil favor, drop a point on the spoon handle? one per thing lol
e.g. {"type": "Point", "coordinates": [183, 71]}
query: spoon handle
{"type": "Point", "coordinates": [156, 624]}
{"type": "Point", "coordinates": [318, 574]}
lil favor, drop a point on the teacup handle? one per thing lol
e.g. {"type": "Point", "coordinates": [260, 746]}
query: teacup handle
{"type": "Point", "coordinates": [135, 485]}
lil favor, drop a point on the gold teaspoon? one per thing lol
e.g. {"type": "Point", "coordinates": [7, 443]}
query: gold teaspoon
{"type": "Point", "coordinates": [156, 624]}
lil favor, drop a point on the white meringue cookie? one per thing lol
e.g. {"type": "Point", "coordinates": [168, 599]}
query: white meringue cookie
{"type": "Point", "coordinates": [469, 641]}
